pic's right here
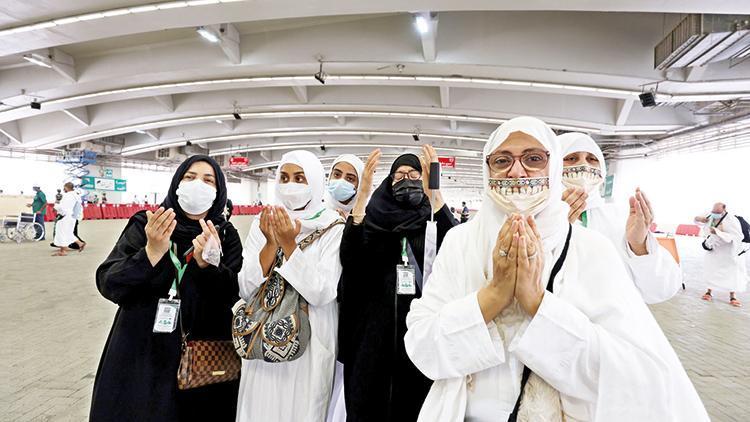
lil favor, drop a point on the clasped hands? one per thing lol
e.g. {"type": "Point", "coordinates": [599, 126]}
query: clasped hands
{"type": "Point", "coordinates": [517, 261]}
{"type": "Point", "coordinates": [279, 230]}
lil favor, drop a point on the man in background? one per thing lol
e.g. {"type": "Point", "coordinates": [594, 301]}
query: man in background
{"type": "Point", "coordinates": [724, 267]}
{"type": "Point", "coordinates": [464, 212]}
{"type": "Point", "coordinates": [58, 197]}
{"type": "Point", "coordinates": [39, 208]}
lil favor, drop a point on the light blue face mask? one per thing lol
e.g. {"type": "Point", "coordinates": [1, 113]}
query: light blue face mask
{"type": "Point", "coordinates": [716, 216]}
{"type": "Point", "coordinates": [341, 190]}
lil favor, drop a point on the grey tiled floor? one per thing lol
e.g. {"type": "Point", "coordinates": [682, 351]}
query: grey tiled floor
{"type": "Point", "coordinates": [54, 324]}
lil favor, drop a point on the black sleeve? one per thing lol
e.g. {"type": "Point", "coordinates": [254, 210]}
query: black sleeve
{"type": "Point", "coordinates": [219, 284]}
{"type": "Point", "coordinates": [445, 221]}
{"type": "Point", "coordinates": [127, 275]}
{"type": "Point", "coordinates": [352, 243]}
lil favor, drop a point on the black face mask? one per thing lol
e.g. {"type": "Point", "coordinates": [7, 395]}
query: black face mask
{"type": "Point", "coordinates": [409, 192]}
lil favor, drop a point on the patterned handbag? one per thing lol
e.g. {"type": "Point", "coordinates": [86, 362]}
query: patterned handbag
{"type": "Point", "coordinates": [205, 362]}
{"type": "Point", "coordinates": [274, 326]}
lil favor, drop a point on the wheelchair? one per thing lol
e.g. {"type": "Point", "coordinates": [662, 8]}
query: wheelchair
{"type": "Point", "coordinates": [21, 228]}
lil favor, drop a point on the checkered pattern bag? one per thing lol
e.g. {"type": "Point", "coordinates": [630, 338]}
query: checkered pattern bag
{"type": "Point", "coordinates": [205, 362]}
{"type": "Point", "coordinates": [274, 327]}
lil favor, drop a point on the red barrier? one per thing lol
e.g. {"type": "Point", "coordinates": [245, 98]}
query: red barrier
{"type": "Point", "coordinates": [688, 230]}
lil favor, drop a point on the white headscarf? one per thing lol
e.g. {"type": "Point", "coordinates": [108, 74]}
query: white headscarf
{"type": "Point", "coordinates": [576, 142]}
{"type": "Point", "coordinates": [359, 167]}
{"type": "Point", "coordinates": [315, 215]}
{"type": "Point", "coordinates": [552, 219]}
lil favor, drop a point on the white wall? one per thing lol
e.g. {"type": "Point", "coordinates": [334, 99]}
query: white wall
{"type": "Point", "coordinates": [681, 186]}
{"type": "Point", "coordinates": [19, 175]}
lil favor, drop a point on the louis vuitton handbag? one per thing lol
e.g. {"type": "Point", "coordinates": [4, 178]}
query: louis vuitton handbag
{"type": "Point", "coordinates": [274, 325]}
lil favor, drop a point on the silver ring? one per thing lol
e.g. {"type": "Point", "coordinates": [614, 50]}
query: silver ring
{"type": "Point", "coordinates": [502, 253]}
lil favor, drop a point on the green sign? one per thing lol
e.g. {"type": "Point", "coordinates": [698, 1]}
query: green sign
{"type": "Point", "coordinates": [101, 183]}
{"type": "Point", "coordinates": [609, 184]}
{"type": "Point", "coordinates": [108, 173]}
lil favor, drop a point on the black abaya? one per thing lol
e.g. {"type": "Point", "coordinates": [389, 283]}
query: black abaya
{"type": "Point", "coordinates": [137, 375]}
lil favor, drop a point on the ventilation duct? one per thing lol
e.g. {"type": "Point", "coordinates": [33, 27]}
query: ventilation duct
{"type": "Point", "coordinates": [699, 39]}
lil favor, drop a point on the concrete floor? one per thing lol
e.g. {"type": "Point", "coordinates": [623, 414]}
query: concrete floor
{"type": "Point", "coordinates": [54, 323]}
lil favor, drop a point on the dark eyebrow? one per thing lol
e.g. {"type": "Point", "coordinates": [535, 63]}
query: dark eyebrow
{"type": "Point", "coordinates": [524, 151]}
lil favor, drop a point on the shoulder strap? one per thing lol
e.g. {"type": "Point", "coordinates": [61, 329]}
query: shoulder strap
{"type": "Point", "coordinates": [550, 284]}
{"type": "Point", "coordinates": [317, 234]}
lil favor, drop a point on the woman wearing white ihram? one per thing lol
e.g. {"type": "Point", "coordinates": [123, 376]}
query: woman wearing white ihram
{"type": "Point", "coordinates": [297, 390]}
{"type": "Point", "coordinates": [593, 350]}
{"type": "Point", "coordinates": [655, 273]}
{"type": "Point", "coordinates": [342, 190]}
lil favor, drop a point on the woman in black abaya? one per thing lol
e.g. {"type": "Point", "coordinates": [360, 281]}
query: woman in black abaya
{"type": "Point", "coordinates": [137, 375]}
{"type": "Point", "coordinates": [380, 382]}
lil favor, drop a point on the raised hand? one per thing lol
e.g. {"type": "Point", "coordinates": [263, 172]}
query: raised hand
{"type": "Point", "coordinates": [639, 221]}
{"type": "Point", "coordinates": [200, 241]}
{"type": "Point", "coordinates": [286, 231]}
{"type": "Point", "coordinates": [530, 262]}
{"type": "Point", "coordinates": [267, 228]}
{"type": "Point", "coordinates": [365, 187]}
{"type": "Point", "coordinates": [576, 198]}
{"type": "Point", "coordinates": [159, 227]}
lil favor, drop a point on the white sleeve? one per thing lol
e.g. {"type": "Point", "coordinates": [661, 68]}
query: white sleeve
{"type": "Point", "coordinates": [250, 276]}
{"type": "Point", "coordinates": [656, 275]}
{"type": "Point", "coordinates": [315, 272]}
{"type": "Point", "coordinates": [446, 334]}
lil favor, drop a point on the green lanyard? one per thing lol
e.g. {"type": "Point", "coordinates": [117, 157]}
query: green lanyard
{"type": "Point", "coordinates": [180, 270]}
{"type": "Point", "coordinates": [404, 257]}
{"type": "Point", "coordinates": [584, 219]}
{"type": "Point", "coordinates": [316, 215]}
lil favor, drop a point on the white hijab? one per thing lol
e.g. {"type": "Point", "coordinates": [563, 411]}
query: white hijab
{"type": "Point", "coordinates": [551, 220]}
{"type": "Point", "coordinates": [576, 142]}
{"type": "Point", "coordinates": [359, 167]}
{"type": "Point", "coordinates": [315, 215]}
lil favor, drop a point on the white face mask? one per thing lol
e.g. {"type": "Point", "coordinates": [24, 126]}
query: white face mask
{"type": "Point", "coordinates": [586, 177]}
{"type": "Point", "coordinates": [522, 196]}
{"type": "Point", "coordinates": [294, 195]}
{"type": "Point", "coordinates": [195, 197]}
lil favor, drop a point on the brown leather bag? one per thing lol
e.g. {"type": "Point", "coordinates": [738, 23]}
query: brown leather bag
{"type": "Point", "coordinates": [205, 362]}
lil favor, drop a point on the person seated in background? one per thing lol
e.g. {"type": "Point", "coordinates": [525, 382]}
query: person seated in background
{"type": "Point", "coordinates": [160, 255]}
{"type": "Point", "coordinates": [653, 269]}
{"type": "Point", "coordinates": [500, 346]}
{"type": "Point", "coordinates": [384, 237]}
{"type": "Point", "coordinates": [343, 183]}
{"type": "Point", "coordinates": [66, 222]}
{"type": "Point", "coordinates": [724, 266]}
{"type": "Point", "coordinates": [272, 388]}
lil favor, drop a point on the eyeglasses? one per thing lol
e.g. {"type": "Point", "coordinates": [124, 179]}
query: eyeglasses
{"type": "Point", "coordinates": [411, 174]}
{"type": "Point", "coordinates": [530, 161]}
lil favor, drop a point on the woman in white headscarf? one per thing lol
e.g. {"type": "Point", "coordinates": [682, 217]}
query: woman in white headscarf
{"type": "Point", "coordinates": [342, 190]}
{"type": "Point", "coordinates": [298, 390]}
{"type": "Point", "coordinates": [342, 187]}
{"type": "Point", "coordinates": [655, 273]}
{"type": "Point", "coordinates": [593, 350]}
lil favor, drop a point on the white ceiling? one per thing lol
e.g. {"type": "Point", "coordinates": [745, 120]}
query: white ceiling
{"type": "Point", "coordinates": [578, 66]}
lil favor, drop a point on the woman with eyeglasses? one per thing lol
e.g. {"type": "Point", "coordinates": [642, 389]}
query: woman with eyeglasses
{"type": "Point", "coordinates": [527, 318]}
{"type": "Point", "coordinates": [383, 258]}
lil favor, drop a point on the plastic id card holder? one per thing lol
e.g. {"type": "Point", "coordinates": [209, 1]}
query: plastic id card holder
{"type": "Point", "coordinates": [406, 284]}
{"type": "Point", "coordinates": [167, 313]}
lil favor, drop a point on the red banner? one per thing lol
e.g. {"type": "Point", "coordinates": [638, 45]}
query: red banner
{"type": "Point", "coordinates": [239, 161]}
{"type": "Point", "coordinates": [447, 162]}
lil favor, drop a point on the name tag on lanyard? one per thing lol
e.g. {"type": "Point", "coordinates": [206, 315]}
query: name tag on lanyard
{"type": "Point", "coordinates": [168, 309]}
{"type": "Point", "coordinates": [405, 274]}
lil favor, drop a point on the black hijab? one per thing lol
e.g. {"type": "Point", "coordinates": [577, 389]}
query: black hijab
{"type": "Point", "coordinates": [187, 229]}
{"type": "Point", "coordinates": [385, 214]}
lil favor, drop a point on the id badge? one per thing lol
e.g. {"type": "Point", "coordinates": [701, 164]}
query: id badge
{"type": "Point", "coordinates": [406, 284]}
{"type": "Point", "coordinates": [167, 313]}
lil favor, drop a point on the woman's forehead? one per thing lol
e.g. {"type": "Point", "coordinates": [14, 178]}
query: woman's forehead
{"type": "Point", "coordinates": [345, 167]}
{"type": "Point", "coordinates": [405, 168]}
{"type": "Point", "coordinates": [518, 143]}
{"type": "Point", "coordinates": [201, 168]}
{"type": "Point", "coordinates": [291, 168]}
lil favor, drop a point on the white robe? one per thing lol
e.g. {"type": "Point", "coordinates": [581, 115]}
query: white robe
{"type": "Point", "coordinates": [297, 390]}
{"type": "Point", "coordinates": [656, 275]}
{"type": "Point", "coordinates": [723, 269]}
{"type": "Point", "coordinates": [593, 340]}
{"type": "Point", "coordinates": [64, 227]}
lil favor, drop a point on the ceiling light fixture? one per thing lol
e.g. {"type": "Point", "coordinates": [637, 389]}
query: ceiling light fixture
{"type": "Point", "coordinates": [38, 60]}
{"type": "Point", "coordinates": [207, 34]}
{"type": "Point", "coordinates": [420, 22]}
